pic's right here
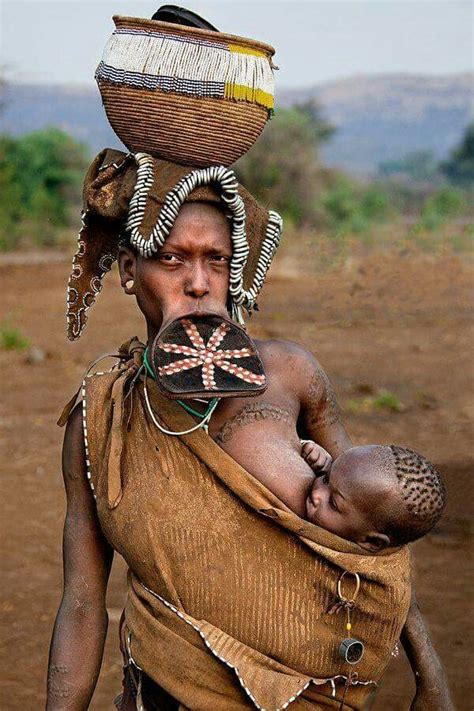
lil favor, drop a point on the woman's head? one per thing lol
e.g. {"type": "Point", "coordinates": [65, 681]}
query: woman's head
{"type": "Point", "coordinates": [188, 274]}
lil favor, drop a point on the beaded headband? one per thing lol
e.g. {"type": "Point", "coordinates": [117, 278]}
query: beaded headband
{"type": "Point", "coordinates": [227, 183]}
{"type": "Point", "coordinates": [139, 197]}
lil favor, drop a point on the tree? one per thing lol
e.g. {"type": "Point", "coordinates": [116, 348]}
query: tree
{"type": "Point", "coordinates": [419, 166]}
{"type": "Point", "coordinates": [282, 168]}
{"type": "Point", "coordinates": [40, 176]}
{"type": "Point", "coordinates": [459, 168]}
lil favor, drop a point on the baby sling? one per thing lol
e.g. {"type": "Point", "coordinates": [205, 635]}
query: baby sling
{"type": "Point", "coordinates": [229, 592]}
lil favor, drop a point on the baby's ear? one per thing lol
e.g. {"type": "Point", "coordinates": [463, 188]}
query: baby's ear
{"type": "Point", "coordinates": [374, 542]}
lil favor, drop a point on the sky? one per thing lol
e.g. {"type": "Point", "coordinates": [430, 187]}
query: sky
{"type": "Point", "coordinates": [316, 41]}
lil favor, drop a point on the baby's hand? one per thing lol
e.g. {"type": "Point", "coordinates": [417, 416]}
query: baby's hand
{"type": "Point", "coordinates": [318, 459]}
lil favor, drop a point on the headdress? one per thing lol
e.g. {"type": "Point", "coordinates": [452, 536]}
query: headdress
{"type": "Point", "coordinates": [187, 102]}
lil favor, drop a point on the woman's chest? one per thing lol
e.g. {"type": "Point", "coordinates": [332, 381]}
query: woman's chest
{"type": "Point", "coordinates": [261, 435]}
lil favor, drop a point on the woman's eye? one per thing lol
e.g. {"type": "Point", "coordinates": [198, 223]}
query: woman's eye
{"type": "Point", "coordinates": [222, 259]}
{"type": "Point", "coordinates": [325, 479]}
{"type": "Point", "coordinates": [332, 503]}
{"type": "Point", "coordinates": [169, 258]}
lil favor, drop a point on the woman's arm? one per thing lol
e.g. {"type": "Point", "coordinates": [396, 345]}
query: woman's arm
{"type": "Point", "coordinates": [81, 623]}
{"type": "Point", "coordinates": [432, 691]}
{"type": "Point", "coordinates": [320, 418]}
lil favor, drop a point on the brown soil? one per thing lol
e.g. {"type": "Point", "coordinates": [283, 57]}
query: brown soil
{"type": "Point", "coordinates": [389, 323]}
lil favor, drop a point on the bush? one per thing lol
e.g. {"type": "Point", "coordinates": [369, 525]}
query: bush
{"type": "Point", "coordinates": [11, 339]}
{"type": "Point", "coordinates": [282, 168]}
{"type": "Point", "coordinates": [459, 168]}
{"type": "Point", "coordinates": [351, 208]}
{"type": "Point", "coordinates": [444, 204]}
{"type": "Point", "coordinates": [40, 177]}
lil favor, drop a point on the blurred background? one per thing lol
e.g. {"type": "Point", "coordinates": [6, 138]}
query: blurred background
{"type": "Point", "coordinates": [369, 158]}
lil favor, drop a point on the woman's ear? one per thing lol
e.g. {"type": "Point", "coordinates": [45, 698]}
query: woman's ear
{"type": "Point", "coordinates": [374, 542]}
{"type": "Point", "coordinates": [127, 262]}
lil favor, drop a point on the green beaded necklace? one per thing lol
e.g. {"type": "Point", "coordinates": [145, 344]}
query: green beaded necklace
{"type": "Point", "coordinates": [184, 405]}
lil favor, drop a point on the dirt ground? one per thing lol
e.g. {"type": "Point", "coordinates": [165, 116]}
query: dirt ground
{"type": "Point", "coordinates": [396, 324]}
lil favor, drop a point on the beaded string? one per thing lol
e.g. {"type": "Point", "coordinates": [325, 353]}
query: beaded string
{"type": "Point", "coordinates": [189, 409]}
{"type": "Point", "coordinates": [204, 424]}
{"type": "Point", "coordinates": [226, 181]}
{"type": "Point", "coordinates": [206, 416]}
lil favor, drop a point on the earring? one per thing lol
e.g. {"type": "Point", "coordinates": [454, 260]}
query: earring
{"type": "Point", "coordinates": [129, 284]}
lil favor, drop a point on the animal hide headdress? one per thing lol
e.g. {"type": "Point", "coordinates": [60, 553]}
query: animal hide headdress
{"type": "Point", "coordinates": [138, 196]}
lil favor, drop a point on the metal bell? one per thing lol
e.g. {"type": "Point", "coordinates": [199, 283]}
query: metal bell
{"type": "Point", "coordinates": [351, 650]}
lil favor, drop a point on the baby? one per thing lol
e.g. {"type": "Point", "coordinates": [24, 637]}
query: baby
{"type": "Point", "coordinates": [377, 496]}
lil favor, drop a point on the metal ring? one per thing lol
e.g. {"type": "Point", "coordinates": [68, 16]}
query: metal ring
{"type": "Point", "coordinates": [339, 586]}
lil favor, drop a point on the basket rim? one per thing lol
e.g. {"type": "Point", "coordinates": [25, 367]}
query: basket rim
{"type": "Point", "coordinates": [124, 20]}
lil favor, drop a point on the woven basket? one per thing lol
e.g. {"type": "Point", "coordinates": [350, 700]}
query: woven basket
{"type": "Point", "coordinates": [187, 95]}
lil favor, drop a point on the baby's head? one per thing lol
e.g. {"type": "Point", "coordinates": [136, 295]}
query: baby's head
{"type": "Point", "coordinates": [377, 496]}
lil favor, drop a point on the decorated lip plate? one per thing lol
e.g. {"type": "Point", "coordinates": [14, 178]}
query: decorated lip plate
{"type": "Point", "coordinates": [206, 356]}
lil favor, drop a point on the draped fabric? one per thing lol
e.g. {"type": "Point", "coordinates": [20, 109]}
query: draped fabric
{"type": "Point", "coordinates": [228, 590]}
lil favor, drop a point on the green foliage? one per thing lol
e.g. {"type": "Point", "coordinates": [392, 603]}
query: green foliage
{"type": "Point", "coordinates": [375, 203]}
{"type": "Point", "coordinates": [40, 176]}
{"type": "Point", "coordinates": [383, 400]}
{"type": "Point", "coordinates": [282, 168]}
{"type": "Point", "coordinates": [320, 128]}
{"type": "Point", "coordinates": [419, 166]}
{"type": "Point", "coordinates": [459, 168]}
{"type": "Point", "coordinates": [387, 400]}
{"type": "Point", "coordinates": [11, 339]}
{"type": "Point", "coordinates": [351, 208]}
{"type": "Point", "coordinates": [444, 204]}
{"type": "Point", "coordinates": [283, 171]}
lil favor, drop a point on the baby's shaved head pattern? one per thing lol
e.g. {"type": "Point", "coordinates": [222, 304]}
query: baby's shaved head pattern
{"type": "Point", "coordinates": [422, 490]}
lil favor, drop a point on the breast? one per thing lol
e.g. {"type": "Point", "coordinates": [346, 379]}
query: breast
{"type": "Point", "coordinates": [263, 439]}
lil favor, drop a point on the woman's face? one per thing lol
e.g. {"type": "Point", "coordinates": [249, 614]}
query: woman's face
{"type": "Point", "coordinates": [189, 273]}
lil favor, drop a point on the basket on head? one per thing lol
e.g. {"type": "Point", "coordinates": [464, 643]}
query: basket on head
{"type": "Point", "coordinates": [188, 95]}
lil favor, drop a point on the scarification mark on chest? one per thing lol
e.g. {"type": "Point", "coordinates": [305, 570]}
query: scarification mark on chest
{"type": "Point", "coordinates": [251, 413]}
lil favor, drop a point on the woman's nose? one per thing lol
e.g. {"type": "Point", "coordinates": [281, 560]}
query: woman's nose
{"type": "Point", "coordinates": [197, 283]}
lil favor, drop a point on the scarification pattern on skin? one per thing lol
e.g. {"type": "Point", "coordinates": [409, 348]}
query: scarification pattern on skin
{"type": "Point", "coordinates": [422, 487]}
{"type": "Point", "coordinates": [251, 413]}
{"type": "Point", "coordinates": [58, 687]}
{"type": "Point", "coordinates": [323, 409]}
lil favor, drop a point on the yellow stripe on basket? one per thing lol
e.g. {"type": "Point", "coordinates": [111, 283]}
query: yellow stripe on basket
{"type": "Point", "coordinates": [246, 50]}
{"type": "Point", "coordinates": [240, 92]}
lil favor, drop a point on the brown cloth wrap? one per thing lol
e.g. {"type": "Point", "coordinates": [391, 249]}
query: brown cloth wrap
{"type": "Point", "coordinates": [239, 587]}
{"type": "Point", "coordinates": [108, 187]}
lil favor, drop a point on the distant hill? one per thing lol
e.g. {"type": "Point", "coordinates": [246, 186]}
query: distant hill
{"type": "Point", "coordinates": [77, 110]}
{"type": "Point", "coordinates": [384, 117]}
{"type": "Point", "coordinates": [378, 117]}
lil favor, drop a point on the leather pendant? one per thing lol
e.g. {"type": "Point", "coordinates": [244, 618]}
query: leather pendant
{"type": "Point", "coordinates": [206, 356]}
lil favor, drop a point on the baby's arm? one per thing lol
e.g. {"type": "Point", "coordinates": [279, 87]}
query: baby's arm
{"type": "Point", "coordinates": [316, 456]}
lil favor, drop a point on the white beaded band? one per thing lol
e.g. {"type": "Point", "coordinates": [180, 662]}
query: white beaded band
{"type": "Point", "coordinates": [227, 183]}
